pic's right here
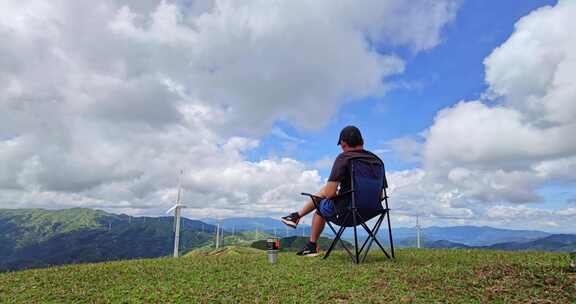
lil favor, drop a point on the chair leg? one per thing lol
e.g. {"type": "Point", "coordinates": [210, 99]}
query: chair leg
{"type": "Point", "coordinates": [375, 232]}
{"type": "Point", "coordinates": [357, 255]}
{"type": "Point", "coordinates": [363, 223]}
{"type": "Point", "coordinates": [344, 245]}
{"type": "Point", "coordinates": [338, 238]}
{"type": "Point", "coordinates": [333, 244]}
{"type": "Point", "coordinates": [390, 233]}
{"type": "Point", "coordinates": [375, 240]}
{"type": "Point", "coordinates": [369, 239]}
{"type": "Point", "coordinates": [377, 229]}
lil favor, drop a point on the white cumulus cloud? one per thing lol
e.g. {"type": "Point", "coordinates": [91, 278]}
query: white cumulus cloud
{"type": "Point", "coordinates": [497, 152]}
{"type": "Point", "coordinates": [102, 103]}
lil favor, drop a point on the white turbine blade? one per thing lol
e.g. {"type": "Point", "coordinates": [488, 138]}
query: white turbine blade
{"type": "Point", "coordinates": [180, 187]}
{"type": "Point", "coordinates": [172, 209]}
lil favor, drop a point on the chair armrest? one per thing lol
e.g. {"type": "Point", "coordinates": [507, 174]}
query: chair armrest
{"type": "Point", "coordinates": [315, 198]}
{"type": "Point", "coordinates": [311, 195]}
{"type": "Point", "coordinates": [319, 197]}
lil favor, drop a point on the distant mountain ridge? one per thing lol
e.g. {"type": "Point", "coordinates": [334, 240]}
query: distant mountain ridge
{"type": "Point", "coordinates": [471, 235]}
{"type": "Point", "coordinates": [554, 242]}
{"type": "Point", "coordinates": [36, 238]}
{"type": "Point", "coordinates": [465, 235]}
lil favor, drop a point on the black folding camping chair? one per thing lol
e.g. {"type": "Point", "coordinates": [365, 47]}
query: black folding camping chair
{"type": "Point", "coordinates": [363, 203]}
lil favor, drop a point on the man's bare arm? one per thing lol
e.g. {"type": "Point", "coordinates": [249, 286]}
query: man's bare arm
{"type": "Point", "coordinates": [329, 190]}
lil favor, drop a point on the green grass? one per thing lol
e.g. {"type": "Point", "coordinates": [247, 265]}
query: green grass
{"type": "Point", "coordinates": [416, 276]}
{"type": "Point", "coordinates": [226, 250]}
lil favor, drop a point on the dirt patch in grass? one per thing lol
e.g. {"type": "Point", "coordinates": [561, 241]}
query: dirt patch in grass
{"type": "Point", "coordinates": [501, 282]}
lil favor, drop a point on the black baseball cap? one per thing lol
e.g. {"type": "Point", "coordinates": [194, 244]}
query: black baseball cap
{"type": "Point", "coordinates": [351, 135]}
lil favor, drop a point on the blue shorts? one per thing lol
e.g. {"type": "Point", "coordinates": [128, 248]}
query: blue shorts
{"type": "Point", "coordinates": [326, 208]}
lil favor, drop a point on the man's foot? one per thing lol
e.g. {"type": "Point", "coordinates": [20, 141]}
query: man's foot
{"type": "Point", "coordinates": [291, 219]}
{"type": "Point", "coordinates": [310, 250]}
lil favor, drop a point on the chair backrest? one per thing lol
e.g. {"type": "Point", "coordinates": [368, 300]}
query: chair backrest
{"type": "Point", "coordinates": [368, 179]}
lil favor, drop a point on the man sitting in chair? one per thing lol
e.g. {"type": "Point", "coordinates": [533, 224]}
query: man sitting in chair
{"type": "Point", "coordinates": [352, 145]}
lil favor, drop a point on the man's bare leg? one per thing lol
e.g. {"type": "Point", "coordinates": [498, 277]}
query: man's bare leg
{"type": "Point", "coordinates": [318, 224]}
{"type": "Point", "coordinates": [307, 208]}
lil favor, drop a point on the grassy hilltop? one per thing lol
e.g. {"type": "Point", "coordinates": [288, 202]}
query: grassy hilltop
{"type": "Point", "coordinates": [416, 276]}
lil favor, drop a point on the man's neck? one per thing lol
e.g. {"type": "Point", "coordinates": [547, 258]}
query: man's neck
{"type": "Point", "coordinates": [357, 148]}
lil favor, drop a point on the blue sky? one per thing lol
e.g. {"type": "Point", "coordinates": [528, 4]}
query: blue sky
{"type": "Point", "coordinates": [469, 103]}
{"type": "Point", "coordinates": [433, 80]}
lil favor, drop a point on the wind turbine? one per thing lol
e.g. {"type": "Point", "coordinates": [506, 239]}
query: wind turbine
{"type": "Point", "coordinates": [418, 231]}
{"type": "Point", "coordinates": [177, 208]}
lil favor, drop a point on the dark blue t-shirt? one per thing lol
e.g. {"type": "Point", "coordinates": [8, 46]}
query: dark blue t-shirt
{"type": "Point", "coordinates": [341, 167]}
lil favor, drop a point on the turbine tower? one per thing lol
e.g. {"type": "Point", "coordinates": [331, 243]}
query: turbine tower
{"type": "Point", "coordinates": [222, 235]}
{"type": "Point", "coordinates": [177, 208]}
{"type": "Point", "coordinates": [418, 231]}
{"type": "Point", "coordinates": [217, 235]}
